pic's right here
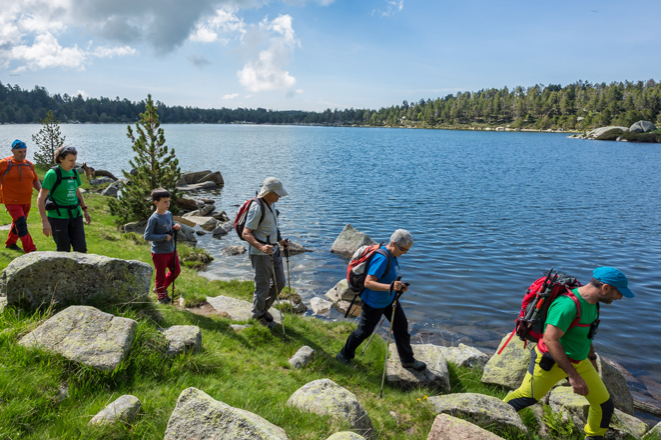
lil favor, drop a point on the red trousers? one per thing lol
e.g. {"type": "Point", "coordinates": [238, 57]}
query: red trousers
{"type": "Point", "coordinates": [164, 264]}
{"type": "Point", "coordinates": [19, 227]}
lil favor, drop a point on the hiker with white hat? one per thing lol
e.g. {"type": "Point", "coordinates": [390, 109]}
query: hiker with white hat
{"type": "Point", "coordinates": [262, 233]}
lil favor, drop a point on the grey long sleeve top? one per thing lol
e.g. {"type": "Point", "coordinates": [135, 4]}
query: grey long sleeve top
{"type": "Point", "coordinates": [157, 231]}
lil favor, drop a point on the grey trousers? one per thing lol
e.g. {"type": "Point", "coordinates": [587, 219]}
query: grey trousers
{"type": "Point", "coordinates": [265, 294]}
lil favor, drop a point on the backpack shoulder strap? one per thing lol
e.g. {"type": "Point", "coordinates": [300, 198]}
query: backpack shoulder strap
{"type": "Point", "coordinates": [260, 202]}
{"type": "Point", "coordinates": [576, 321]}
{"type": "Point", "coordinates": [58, 180]}
{"type": "Point", "coordinates": [9, 165]}
{"type": "Point", "coordinates": [387, 255]}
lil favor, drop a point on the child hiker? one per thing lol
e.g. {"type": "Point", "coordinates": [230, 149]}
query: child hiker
{"type": "Point", "coordinates": [160, 229]}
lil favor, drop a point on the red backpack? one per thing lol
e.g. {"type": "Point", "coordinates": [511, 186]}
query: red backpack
{"type": "Point", "coordinates": [358, 267]}
{"type": "Point", "coordinates": [536, 302]}
{"type": "Point", "coordinates": [242, 216]}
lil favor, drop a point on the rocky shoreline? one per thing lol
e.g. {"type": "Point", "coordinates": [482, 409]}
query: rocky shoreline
{"type": "Point", "coordinates": [641, 131]}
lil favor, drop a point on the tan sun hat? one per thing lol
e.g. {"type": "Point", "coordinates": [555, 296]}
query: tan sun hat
{"type": "Point", "coordinates": [271, 184]}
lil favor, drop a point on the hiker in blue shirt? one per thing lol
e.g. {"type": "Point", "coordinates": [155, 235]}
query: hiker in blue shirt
{"type": "Point", "coordinates": [377, 299]}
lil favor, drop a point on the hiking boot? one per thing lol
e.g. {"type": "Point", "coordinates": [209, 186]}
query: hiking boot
{"type": "Point", "coordinates": [340, 357]}
{"type": "Point", "coordinates": [13, 247]}
{"type": "Point", "coordinates": [166, 300]}
{"type": "Point", "coordinates": [262, 320]}
{"type": "Point", "coordinates": [267, 316]}
{"type": "Point", "coordinates": [416, 365]}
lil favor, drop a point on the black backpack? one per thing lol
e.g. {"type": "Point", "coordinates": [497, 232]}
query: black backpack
{"type": "Point", "coordinates": [50, 204]}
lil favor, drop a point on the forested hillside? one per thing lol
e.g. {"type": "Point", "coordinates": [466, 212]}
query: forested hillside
{"type": "Point", "coordinates": [577, 106]}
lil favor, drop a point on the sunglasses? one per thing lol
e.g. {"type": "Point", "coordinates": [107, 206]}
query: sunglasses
{"type": "Point", "coordinates": [69, 150]}
{"type": "Point", "coordinates": [401, 249]}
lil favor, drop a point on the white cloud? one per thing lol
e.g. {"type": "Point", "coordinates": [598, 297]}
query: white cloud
{"type": "Point", "coordinates": [232, 96]}
{"type": "Point", "coordinates": [392, 7]}
{"type": "Point", "coordinates": [109, 52]}
{"type": "Point", "coordinates": [224, 21]}
{"type": "Point", "coordinates": [266, 71]}
{"type": "Point", "coordinates": [82, 93]}
{"type": "Point", "coordinates": [46, 52]}
{"type": "Point", "coordinates": [248, 96]}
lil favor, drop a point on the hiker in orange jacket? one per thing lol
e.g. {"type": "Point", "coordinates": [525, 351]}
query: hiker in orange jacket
{"type": "Point", "coordinates": [16, 184]}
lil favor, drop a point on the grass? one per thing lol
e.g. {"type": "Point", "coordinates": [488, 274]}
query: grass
{"type": "Point", "coordinates": [248, 370]}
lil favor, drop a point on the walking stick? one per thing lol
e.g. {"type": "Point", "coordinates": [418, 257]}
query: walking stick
{"type": "Point", "coordinates": [174, 263]}
{"type": "Point", "coordinates": [392, 318]}
{"type": "Point", "coordinates": [277, 292]}
{"type": "Point", "coordinates": [291, 300]}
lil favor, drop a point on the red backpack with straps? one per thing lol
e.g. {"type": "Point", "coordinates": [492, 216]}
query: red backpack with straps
{"type": "Point", "coordinates": [10, 164]}
{"type": "Point", "coordinates": [536, 302]}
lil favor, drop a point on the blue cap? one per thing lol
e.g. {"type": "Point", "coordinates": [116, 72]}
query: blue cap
{"type": "Point", "coordinates": [17, 145]}
{"type": "Point", "coordinates": [613, 277]}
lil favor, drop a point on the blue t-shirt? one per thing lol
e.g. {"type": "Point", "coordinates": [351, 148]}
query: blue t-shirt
{"type": "Point", "coordinates": [377, 267]}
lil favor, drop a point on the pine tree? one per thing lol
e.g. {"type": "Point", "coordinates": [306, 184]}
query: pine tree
{"type": "Point", "coordinates": [48, 139]}
{"type": "Point", "coordinates": [155, 166]}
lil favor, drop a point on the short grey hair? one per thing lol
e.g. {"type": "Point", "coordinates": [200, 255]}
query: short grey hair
{"type": "Point", "coordinates": [402, 237]}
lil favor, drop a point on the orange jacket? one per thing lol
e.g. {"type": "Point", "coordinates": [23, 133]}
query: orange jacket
{"type": "Point", "coordinates": [16, 182]}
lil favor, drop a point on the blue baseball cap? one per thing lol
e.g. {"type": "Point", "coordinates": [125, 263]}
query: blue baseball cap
{"type": "Point", "coordinates": [17, 145]}
{"type": "Point", "coordinates": [612, 276]}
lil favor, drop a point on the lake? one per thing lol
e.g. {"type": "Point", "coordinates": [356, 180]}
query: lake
{"type": "Point", "coordinates": [489, 212]}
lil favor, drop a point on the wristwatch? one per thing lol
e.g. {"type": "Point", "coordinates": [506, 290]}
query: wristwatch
{"type": "Point", "coordinates": [593, 358]}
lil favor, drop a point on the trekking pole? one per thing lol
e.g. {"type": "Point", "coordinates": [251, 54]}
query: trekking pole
{"type": "Point", "coordinates": [376, 330]}
{"type": "Point", "coordinates": [174, 263]}
{"type": "Point", "coordinates": [392, 318]}
{"type": "Point", "coordinates": [277, 292]}
{"type": "Point", "coordinates": [291, 300]}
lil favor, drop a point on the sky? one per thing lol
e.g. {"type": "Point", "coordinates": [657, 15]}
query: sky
{"type": "Point", "coordinates": [318, 54]}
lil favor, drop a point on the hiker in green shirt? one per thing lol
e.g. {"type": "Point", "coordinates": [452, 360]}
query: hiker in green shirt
{"type": "Point", "coordinates": [61, 203]}
{"type": "Point", "coordinates": [566, 350]}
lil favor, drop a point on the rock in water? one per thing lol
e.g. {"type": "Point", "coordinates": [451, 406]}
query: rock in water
{"type": "Point", "coordinates": [508, 368]}
{"type": "Point", "coordinates": [36, 278]}
{"type": "Point", "coordinates": [605, 133]}
{"type": "Point", "coordinates": [302, 357]}
{"type": "Point", "coordinates": [124, 409]}
{"type": "Point", "coordinates": [326, 398]}
{"type": "Point", "coordinates": [200, 417]}
{"type": "Point", "coordinates": [183, 339]}
{"type": "Point", "coordinates": [341, 292]}
{"type": "Point", "coordinates": [206, 223]}
{"type": "Point", "coordinates": [230, 251]}
{"type": "Point", "coordinates": [222, 229]}
{"type": "Point", "coordinates": [484, 411]}
{"type": "Point", "coordinates": [86, 335]}
{"type": "Point", "coordinates": [446, 427]}
{"type": "Point", "coordinates": [296, 249]}
{"type": "Point", "coordinates": [435, 376]}
{"type": "Point", "coordinates": [187, 204]}
{"type": "Point", "coordinates": [349, 241]}
{"type": "Point", "coordinates": [642, 127]}
{"type": "Point", "coordinates": [216, 178]}
{"type": "Point", "coordinates": [320, 306]}
{"type": "Point", "coordinates": [189, 177]}
{"type": "Point", "coordinates": [616, 385]}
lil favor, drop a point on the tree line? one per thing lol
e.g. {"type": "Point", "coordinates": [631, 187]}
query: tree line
{"type": "Point", "coordinates": [577, 106]}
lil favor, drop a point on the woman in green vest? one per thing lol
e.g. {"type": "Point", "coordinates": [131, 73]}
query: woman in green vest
{"type": "Point", "coordinates": [61, 203]}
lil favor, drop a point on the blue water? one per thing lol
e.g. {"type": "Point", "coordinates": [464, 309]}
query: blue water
{"type": "Point", "coordinates": [489, 212]}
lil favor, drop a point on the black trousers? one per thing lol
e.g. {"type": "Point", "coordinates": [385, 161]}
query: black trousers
{"type": "Point", "coordinates": [67, 233]}
{"type": "Point", "coordinates": [369, 319]}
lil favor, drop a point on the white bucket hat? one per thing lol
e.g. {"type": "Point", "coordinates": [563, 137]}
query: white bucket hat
{"type": "Point", "coordinates": [271, 184]}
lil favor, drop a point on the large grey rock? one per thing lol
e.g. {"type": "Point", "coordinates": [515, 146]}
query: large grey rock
{"type": "Point", "coordinates": [38, 278]}
{"type": "Point", "coordinates": [230, 251]}
{"type": "Point", "coordinates": [236, 309]}
{"type": "Point", "coordinates": [124, 409]}
{"type": "Point", "coordinates": [197, 416]}
{"type": "Point", "coordinates": [186, 235]}
{"type": "Point", "coordinates": [435, 376]}
{"type": "Point", "coordinates": [302, 357]}
{"type": "Point", "coordinates": [508, 368]}
{"type": "Point", "coordinates": [326, 398]}
{"type": "Point", "coordinates": [197, 187]}
{"type": "Point", "coordinates": [484, 411]}
{"type": "Point", "coordinates": [616, 385]}
{"type": "Point", "coordinates": [101, 180]}
{"type": "Point", "coordinates": [642, 127]}
{"type": "Point", "coordinates": [222, 229]}
{"type": "Point", "coordinates": [183, 339]}
{"type": "Point", "coordinates": [86, 335]}
{"type": "Point", "coordinates": [446, 427]}
{"type": "Point", "coordinates": [320, 306]}
{"type": "Point", "coordinates": [221, 216]}
{"type": "Point", "coordinates": [135, 227]}
{"type": "Point", "coordinates": [341, 292]}
{"type": "Point", "coordinates": [296, 249]}
{"type": "Point", "coordinates": [346, 435]}
{"type": "Point", "coordinates": [188, 177]}
{"type": "Point", "coordinates": [110, 191]}
{"type": "Point", "coordinates": [203, 211]}
{"type": "Point", "coordinates": [187, 204]}
{"type": "Point", "coordinates": [206, 223]}
{"type": "Point", "coordinates": [349, 241]}
{"type": "Point", "coordinates": [606, 132]}
{"type": "Point", "coordinates": [563, 400]}
{"type": "Point", "coordinates": [215, 177]}
{"type": "Point", "coordinates": [465, 356]}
